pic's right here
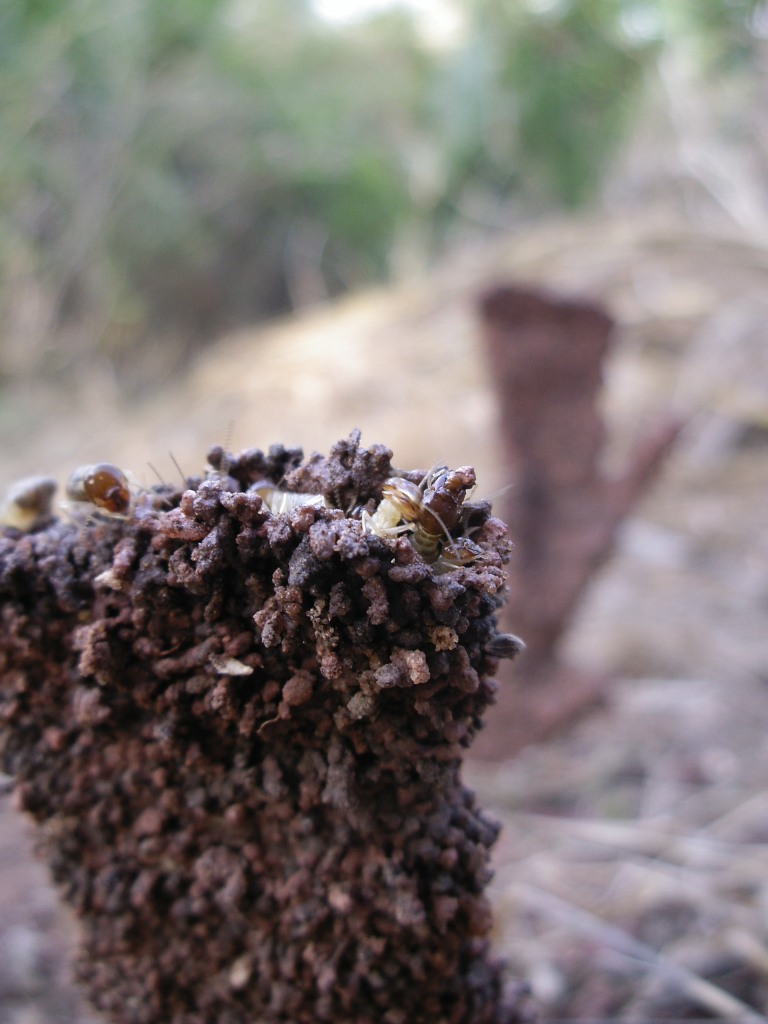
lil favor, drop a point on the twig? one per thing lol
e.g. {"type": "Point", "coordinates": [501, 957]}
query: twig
{"type": "Point", "coordinates": [702, 992]}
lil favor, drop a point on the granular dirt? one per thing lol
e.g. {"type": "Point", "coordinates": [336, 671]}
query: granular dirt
{"type": "Point", "coordinates": [241, 733]}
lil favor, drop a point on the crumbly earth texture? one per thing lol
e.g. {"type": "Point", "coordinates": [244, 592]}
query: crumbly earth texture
{"type": "Point", "coordinates": [242, 732]}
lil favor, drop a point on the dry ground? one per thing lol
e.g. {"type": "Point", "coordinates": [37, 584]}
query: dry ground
{"type": "Point", "coordinates": [632, 873]}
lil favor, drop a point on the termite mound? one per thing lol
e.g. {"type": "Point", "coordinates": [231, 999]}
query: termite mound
{"type": "Point", "coordinates": [547, 356]}
{"type": "Point", "coordinates": [242, 732]}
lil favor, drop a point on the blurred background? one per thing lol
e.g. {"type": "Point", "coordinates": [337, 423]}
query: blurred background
{"type": "Point", "coordinates": [241, 222]}
{"type": "Point", "coordinates": [172, 172]}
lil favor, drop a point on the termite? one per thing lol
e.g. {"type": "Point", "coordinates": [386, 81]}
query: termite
{"type": "Point", "coordinates": [103, 486]}
{"type": "Point", "coordinates": [457, 554]}
{"type": "Point", "coordinates": [429, 511]}
{"type": "Point", "coordinates": [278, 501]}
{"type": "Point", "coordinates": [28, 503]}
{"type": "Point", "coordinates": [505, 645]}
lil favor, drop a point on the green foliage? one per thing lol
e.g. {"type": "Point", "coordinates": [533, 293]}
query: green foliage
{"type": "Point", "coordinates": [554, 88]}
{"type": "Point", "coordinates": [720, 31]}
{"type": "Point", "coordinates": [156, 154]}
{"type": "Point", "coordinates": [570, 120]}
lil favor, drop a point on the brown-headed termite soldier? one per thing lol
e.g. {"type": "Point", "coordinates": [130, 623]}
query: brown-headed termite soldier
{"type": "Point", "coordinates": [104, 486]}
{"type": "Point", "coordinates": [430, 511]}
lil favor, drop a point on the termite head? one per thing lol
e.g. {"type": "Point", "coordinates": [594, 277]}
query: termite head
{"type": "Point", "coordinates": [102, 485]}
{"type": "Point", "coordinates": [404, 496]}
{"type": "Point", "coordinates": [457, 554]}
{"type": "Point", "coordinates": [443, 497]}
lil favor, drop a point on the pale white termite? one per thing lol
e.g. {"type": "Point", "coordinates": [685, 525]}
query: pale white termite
{"type": "Point", "coordinates": [277, 500]}
{"type": "Point", "coordinates": [28, 503]}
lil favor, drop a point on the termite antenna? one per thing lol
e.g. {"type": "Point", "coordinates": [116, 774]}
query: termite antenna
{"type": "Point", "coordinates": [163, 500]}
{"type": "Point", "coordinates": [501, 490]}
{"type": "Point", "coordinates": [228, 435]}
{"type": "Point", "coordinates": [179, 470]}
{"type": "Point", "coordinates": [226, 465]}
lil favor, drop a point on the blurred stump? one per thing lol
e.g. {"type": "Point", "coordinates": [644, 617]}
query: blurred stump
{"type": "Point", "coordinates": [546, 357]}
